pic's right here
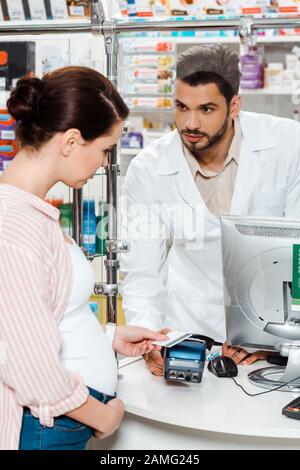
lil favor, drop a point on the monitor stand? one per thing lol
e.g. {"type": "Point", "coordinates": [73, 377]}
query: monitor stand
{"type": "Point", "coordinates": [273, 377]}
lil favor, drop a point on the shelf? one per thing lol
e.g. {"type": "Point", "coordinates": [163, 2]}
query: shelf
{"type": "Point", "coordinates": [267, 17]}
{"type": "Point", "coordinates": [211, 24]}
{"type": "Point", "coordinates": [267, 91]}
{"type": "Point", "coordinates": [130, 152]}
{"type": "Point", "coordinates": [45, 26]}
{"type": "Point", "coordinates": [233, 39]}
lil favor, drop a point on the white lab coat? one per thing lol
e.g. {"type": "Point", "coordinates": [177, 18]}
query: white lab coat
{"type": "Point", "coordinates": [179, 284]}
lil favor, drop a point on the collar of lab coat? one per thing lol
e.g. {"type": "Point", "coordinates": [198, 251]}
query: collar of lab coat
{"type": "Point", "coordinates": [256, 137]}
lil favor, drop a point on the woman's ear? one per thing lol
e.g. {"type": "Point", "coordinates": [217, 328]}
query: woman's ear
{"type": "Point", "coordinates": [69, 141]}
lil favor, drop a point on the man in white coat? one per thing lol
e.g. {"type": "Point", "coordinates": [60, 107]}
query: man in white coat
{"type": "Point", "coordinates": [219, 160]}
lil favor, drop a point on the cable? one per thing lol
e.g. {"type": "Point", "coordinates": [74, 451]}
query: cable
{"type": "Point", "coordinates": [268, 391]}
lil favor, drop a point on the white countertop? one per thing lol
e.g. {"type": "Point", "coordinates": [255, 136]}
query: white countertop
{"type": "Point", "coordinates": [215, 405]}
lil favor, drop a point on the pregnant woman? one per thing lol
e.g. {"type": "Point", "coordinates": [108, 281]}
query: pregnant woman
{"type": "Point", "coordinates": [58, 373]}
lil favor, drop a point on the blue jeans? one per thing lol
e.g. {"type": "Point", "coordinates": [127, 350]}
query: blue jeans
{"type": "Point", "coordinates": [66, 434]}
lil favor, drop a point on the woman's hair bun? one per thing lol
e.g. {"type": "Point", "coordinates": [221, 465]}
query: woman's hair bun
{"type": "Point", "coordinates": [23, 104]}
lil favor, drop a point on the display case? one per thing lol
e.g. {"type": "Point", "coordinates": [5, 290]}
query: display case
{"type": "Point", "coordinates": [147, 60]}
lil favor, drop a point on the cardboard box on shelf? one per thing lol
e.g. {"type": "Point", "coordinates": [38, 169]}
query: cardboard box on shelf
{"type": "Point", "coordinates": [185, 7]}
{"type": "Point", "coordinates": [37, 9]}
{"type": "Point", "coordinates": [7, 126]}
{"type": "Point", "coordinates": [79, 8]}
{"type": "Point", "coordinates": [221, 7]}
{"type": "Point", "coordinates": [57, 9]}
{"type": "Point", "coordinates": [288, 6]}
{"type": "Point", "coordinates": [15, 10]}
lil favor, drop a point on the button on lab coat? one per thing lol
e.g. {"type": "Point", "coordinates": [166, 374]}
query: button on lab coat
{"type": "Point", "coordinates": [175, 279]}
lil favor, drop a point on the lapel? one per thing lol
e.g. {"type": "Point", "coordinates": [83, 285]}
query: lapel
{"type": "Point", "coordinates": [257, 139]}
{"type": "Point", "coordinates": [174, 162]}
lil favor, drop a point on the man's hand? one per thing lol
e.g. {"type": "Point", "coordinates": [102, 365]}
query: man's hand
{"type": "Point", "coordinates": [154, 360]}
{"type": "Point", "coordinates": [240, 356]}
{"type": "Point", "coordinates": [155, 363]}
{"type": "Point", "coordinates": [115, 416]}
{"type": "Point", "coordinates": [135, 341]}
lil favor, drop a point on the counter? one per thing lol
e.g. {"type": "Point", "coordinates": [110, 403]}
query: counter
{"type": "Point", "coordinates": [215, 414]}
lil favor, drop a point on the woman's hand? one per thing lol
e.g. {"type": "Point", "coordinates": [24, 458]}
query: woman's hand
{"type": "Point", "coordinates": [115, 415]}
{"type": "Point", "coordinates": [135, 341]}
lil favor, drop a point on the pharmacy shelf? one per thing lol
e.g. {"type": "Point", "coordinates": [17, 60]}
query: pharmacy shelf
{"type": "Point", "coordinates": [131, 25]}
{"type": "Point", "coordinates": [45, 26]}
{"type": "Point", "coordinates": [231, 39]}
{"type": "Point", "coordinates": [274, 18]}
{"type": "Point", "coordinates": [268, 91]}
{"type": "Point", "coordinates": [130, 152]}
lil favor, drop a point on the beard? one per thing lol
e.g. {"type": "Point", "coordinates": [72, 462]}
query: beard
{"type": "Point", "coordinates": [212, 140]}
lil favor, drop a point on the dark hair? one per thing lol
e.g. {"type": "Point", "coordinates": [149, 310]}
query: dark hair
{"type": "Point", "coordinates": [71, 97]}
{"type": "Point", "coordinates": [211, 63]}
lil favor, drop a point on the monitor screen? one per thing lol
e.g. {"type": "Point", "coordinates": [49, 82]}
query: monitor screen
{"type": "Point", "coordinates": [259, 259]}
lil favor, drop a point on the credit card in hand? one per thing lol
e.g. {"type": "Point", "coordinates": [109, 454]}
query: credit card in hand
{"type": "Point", "coordinates": [174, 337]}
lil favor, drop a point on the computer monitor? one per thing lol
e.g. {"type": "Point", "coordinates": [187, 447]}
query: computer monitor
{"type": "Point", "coordinates": [261, 259]}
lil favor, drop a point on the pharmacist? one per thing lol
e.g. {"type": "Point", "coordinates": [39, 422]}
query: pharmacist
{"type": "Point", "coordinates": [220, 160]}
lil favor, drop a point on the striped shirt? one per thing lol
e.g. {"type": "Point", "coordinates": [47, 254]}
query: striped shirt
{"type": "Point", "coordinates": [35, 283]}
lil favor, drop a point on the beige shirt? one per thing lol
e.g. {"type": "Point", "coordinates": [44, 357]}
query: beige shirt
{"type": "Point", "coordinates": [217, 189]}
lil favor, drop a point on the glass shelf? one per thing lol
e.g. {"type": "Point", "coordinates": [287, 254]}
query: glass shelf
{"type": "Point", "coordinates": [147, 20]}
{"type": "Point", "coordinates": [40, 26]}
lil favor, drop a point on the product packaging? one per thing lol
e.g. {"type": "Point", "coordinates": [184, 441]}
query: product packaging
{"type": "Point", "coordinates": [221, 7]}
{"type": "Point", "coordinates": [15, 10]}
{"type": "Point", "coordinates": [252, 68]}
{"type": "Point", "coordinates": [151, 103]}
{"type": "Point", "coordinates": [275, 74]}
{"type": "Point", "coordinates": [89, 225]}
{"type": "Point", "coordinates": [131, 7]}
{"type": "Point", "coordinates": [37, 9]}
{"type": "Point", "coordinates": [149, 88]}
{"type": "Point", "coordinates": [288, 6]}
{"type": "Point", "coordinates": [149, 75]}
{"type": "Point", "coordinates": [255, 7]}
{"type": "Point", "coordinates": [102, 229]}
{"type": "Point", "coordinates": [8, 149]}
{"type": "Point", "coordinates": [132, 140]}
{"type": "Point", "coordinates": [160, 61]}
{"type": "Point", "coordinates": [143, 8]}
{"type": "Point", "coordinates": [56, 200]}
{"type": "Point", "coordinates": [17, 59]}
{"type": "Point", "coordinates": [79, 8]}
{"type": "Point", "coordinates": [161, 8]}
{"type": "Point", "coordinates": [7, 126]}
{"type": "Point", "coordinates": [148, 46]}
{"type": "Point", "coordinates": [123, 7]}
{"type": "Point", "coordinates": [186, 7]}
{"type": "Point", "coordinates": [4, 162]}
{"type": "Point", "coordinates": [58, 8]}
{"type": "Point", "coordinates": [66, 218]}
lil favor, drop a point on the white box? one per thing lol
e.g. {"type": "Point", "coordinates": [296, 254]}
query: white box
{"type": "Point", "coordinates": [59, 9]}
{"type": "Point", "coordinates": [37, 9]}
{"type": "Point", "coordinates": [15, 10]}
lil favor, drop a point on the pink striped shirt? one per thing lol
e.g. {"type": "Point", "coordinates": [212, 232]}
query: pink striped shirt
{"type": "Point", "coordinates": [35, 281]}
